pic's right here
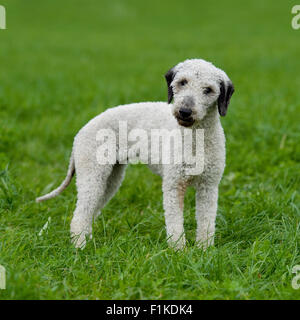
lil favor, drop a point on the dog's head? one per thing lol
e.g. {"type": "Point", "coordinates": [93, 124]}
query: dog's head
{"type": "Point", "coordinates": [197, 86]}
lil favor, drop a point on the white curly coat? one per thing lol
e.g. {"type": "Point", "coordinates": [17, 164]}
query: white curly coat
{"type": "Point", "coordinates": [195, 85]}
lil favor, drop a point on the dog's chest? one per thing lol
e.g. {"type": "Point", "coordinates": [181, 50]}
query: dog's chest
{"type": "Point", "coordinates": [214, 153]}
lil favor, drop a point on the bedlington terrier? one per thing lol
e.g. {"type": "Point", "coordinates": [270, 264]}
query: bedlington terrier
{"type": "Point", "coordinates": [200, 93]}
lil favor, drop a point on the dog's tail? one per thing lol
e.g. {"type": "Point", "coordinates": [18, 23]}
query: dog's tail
{"type": "Point", "coordinates": [65, 183]}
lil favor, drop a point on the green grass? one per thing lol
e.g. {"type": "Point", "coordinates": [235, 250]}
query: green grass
{"type": "Point", "coordinates": [61, 63]}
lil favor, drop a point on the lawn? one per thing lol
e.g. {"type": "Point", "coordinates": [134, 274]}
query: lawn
{"type": "Point", "coordinates": [62, 63]}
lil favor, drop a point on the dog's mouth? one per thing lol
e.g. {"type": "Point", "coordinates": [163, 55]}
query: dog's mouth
{"type": "Point", "coordinates": [187, 122]}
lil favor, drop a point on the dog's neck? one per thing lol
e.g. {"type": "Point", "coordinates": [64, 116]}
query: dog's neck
{"type": "Point", "coordinates": [210, 121]}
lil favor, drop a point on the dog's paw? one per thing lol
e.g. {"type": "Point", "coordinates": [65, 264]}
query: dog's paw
{"type": "Point", "coordinates": [179, 244]}
{"type": "Point", "coordinates": [80, 232]}
{"type": "Point", "coordinates": [79, 239]}
{"type": "Point", "coordinates": [203, 244]}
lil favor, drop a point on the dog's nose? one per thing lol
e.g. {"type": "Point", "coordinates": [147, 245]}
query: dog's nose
{"type": "Point", "coordinates": [185, 113]}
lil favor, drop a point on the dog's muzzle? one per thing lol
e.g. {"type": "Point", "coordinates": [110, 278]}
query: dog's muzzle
{"type": "Point", "coordinates": [184, 114]}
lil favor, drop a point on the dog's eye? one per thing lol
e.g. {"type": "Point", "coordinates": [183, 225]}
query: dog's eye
{"type": "Point", "coordinates": [207, 90]}
{"type": "Point", "coordinates": [183, 82]}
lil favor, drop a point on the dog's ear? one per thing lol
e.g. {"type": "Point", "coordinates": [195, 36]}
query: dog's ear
{"type": "Point", "coordinates": [169, 77]}
{"type": "Point", "coordinates": [226, 91]}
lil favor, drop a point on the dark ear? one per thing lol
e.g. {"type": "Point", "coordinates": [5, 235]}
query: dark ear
{"type": "Point", "coordinates": [226, 91]}
{"type": "Point", "coordinates": [169, 77]}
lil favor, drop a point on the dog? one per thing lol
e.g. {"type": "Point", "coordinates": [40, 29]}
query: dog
{"type": "Point", "coordinates": [201, 94]}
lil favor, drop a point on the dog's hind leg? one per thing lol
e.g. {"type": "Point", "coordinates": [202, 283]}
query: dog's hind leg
{"type": "Point", "coordinates": [114, 182]}
{"type": "Point", "coordinates": [91, 190]}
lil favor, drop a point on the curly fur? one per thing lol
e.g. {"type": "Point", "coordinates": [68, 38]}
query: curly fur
{"type": "Point", "coordinates": [195, 85]}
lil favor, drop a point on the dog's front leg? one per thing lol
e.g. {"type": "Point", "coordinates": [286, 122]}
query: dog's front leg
{"type": "Point", "coordinates": [206, 210]}
{"type": "Point", "coordinates": [173, 200]}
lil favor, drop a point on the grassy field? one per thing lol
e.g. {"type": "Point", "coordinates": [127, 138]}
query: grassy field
{"type": "Point", "coordinates": [62, 63]}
